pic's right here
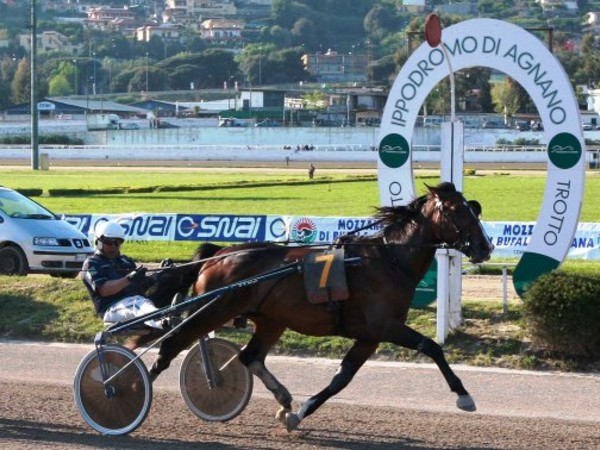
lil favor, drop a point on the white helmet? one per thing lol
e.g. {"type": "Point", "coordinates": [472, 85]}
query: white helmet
{"type": "Point", "coordinates": [110, 229]}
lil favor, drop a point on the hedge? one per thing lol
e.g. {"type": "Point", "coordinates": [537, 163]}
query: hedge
{"type": "Point", "coordinates": [563, 313]}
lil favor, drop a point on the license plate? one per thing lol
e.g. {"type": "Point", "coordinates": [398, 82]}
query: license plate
{"type": "Point", "coordinates": [80, 257]}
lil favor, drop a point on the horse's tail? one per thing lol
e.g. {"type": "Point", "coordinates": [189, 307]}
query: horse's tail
{"type": "Point", "coordinates": [179, 279]}
{"type": "Point", "coordinates": [205, 251]}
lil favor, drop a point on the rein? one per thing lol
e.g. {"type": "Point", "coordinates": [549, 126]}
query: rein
{"type": "Point", "coordinates": [339, 242]}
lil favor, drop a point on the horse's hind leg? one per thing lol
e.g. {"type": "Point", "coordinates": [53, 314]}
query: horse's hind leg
{"type": "Point", "coordinates": [354, 359]}
{"type": "Point", "coordinates": [414, 340]}
{"type": "Point", "coordinates": [266, 334]}
{"type": "Point", "coordinates": [169, 349]}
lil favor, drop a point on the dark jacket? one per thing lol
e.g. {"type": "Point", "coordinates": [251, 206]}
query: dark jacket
{"type": "Point", "coordinates": [98, 269]}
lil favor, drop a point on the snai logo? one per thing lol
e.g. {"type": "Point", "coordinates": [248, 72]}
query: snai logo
{"type": "Point", "coordinates": [304, 230]}
{"type": "Point", "coordinates": [226, 228]}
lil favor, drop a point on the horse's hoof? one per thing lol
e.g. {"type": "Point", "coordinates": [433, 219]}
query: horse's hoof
{"type": "Point", "coordinates": [466, 403]}
{"type": "Point", "coordinates": [291, 421]}
{"type": "Point", "coordinates": [280, 415]}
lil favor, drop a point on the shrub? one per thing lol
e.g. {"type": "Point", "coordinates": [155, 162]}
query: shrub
{"type": "Point", "coordinates": [81, 192]}
{"type": "Point", "coordinates": [525, 141]}
{"type": "Point", "coordinates": [563, 312]}
{"type": "Point", "coordinates": [45, 139]}
{"type": "Point", "coordinates": [31, 192]}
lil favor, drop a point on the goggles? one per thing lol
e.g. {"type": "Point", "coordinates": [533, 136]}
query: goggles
{"type": "Point", "coordinates": [112, 242]}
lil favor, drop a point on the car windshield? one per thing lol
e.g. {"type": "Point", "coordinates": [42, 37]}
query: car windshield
{"type": "Point", "coordinates": [16, 205]}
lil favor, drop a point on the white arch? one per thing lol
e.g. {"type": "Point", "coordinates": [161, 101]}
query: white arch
{"type": "Point", "coordinates": [509, 48]}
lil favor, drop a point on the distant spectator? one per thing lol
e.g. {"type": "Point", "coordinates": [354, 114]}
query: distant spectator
{"type": "Point", "coordinates": [311, 171]}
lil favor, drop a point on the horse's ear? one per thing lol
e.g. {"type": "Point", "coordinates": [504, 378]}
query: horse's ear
{"type": "Point", "coordinates": [475, 207]}
{"type": "Point", "coordinates": [435, 192]}
{"type": "Point", "coordinates": [445, 187]}
{"type": "Point", "coordinates": [431, 189]}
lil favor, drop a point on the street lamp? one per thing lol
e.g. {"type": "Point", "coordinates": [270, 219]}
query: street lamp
{"type": "Point", "coordinates": [33, 92]}
{"type": "Point", "coordinates": [260, 67]}
{"type": "Point", "coordinates": [353, 75]}
{"type": "Point", "coordinates": [76, 77]}
{"type": "Point", "coordinates": [94, 82]}
{"type": "Point", "coordinates": [146, 73]}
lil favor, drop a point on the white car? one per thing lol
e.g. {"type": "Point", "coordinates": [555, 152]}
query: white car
{"type": "Point", "coordinates": [34, 240]}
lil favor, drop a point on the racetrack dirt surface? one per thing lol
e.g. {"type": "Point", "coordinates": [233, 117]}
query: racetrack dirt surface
{"type": "Point", "coordinates": [43, 417]}
{"type": "Point", "coordinates": [37, 411]}
{"type": "Point", "coordinates": [388, 406]}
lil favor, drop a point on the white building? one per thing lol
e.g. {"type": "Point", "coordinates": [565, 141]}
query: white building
{"type": "Point", "coordinates": [165, 31]}
{"type": "Point", "coordinates": [221, 30]}
{"type": "Point", "coordinates": [49, 41]}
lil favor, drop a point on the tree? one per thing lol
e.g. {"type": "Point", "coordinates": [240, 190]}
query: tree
{"type": "Point", "coordinates": [281, 13]}
{"type": "Point", "coordinates": [7, 72]}
{"type": "Point", "coordinates": [305, 32]}
{"type": "Point", "coordinates": [148, 79]}
{"type": "Point", "coordinates": [284, 66]}
{"type": "Point", "coordinates": [20, 86]}
{"type": "Point", "coordinates": [280, 37]}
{"type": "Point", "coordinates": [383, 71]}
{"type": "Point", "coordinates": [257, 63]}
{"type": "Point", "coordinates": [506, 97]}
{"type": "Point", "coordinates": [380, 20]}
{"type": "Point", "coordinates": [59, 86]}
{"type": "Point", "coordinates": [314, 100]}
{"type": "Point", "coordinates": [121, 81]}
{"type": "Point", "coordinates": [590, 69]}
{"type": "Point", "coordinates": [182, 77]}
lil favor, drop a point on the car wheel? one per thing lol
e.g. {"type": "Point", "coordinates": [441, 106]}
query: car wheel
{"type": "Point", "coordinates": [12, 261]}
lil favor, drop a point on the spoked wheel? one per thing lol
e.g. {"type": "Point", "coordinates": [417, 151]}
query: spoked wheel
{"type": "Point", "coordinates": [122, 405]}
{"type": "Point", "coordinates": [231, 387]}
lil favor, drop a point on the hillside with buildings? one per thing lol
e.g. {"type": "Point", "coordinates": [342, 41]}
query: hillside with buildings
{"type": "Point", "coordinates": [263, 57]}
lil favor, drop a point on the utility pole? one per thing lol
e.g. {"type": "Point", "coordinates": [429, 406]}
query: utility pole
{"type": "Point", "coordinates": [33, 95]}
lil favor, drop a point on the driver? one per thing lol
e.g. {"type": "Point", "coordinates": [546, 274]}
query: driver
{"type": "Point", "coordinates": [114, 282]}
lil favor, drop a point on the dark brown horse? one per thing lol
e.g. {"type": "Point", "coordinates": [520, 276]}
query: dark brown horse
{"type": "Point", "coordinates": [380, 291]}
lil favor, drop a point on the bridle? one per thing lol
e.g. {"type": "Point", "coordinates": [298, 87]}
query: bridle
{"type": "Point", "coordinates": [463, 238]}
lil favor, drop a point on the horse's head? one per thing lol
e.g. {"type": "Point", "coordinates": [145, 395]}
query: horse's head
{"type": "Point", "coordinates": [457, 222]}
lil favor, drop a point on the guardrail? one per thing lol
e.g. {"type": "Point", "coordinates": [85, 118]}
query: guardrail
{"type": "Point", "coordinates": [504, 267]}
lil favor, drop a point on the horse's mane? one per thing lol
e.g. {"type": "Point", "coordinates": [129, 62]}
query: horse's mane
{"type": "Point", "coordinates": [400, 216]}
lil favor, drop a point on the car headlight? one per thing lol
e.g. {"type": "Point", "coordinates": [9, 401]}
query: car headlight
{"type": "Point", "coordinates": [46, 241]}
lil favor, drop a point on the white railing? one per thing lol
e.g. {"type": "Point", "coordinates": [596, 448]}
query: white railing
{"type": "Point", "coordinates": [274, 153]}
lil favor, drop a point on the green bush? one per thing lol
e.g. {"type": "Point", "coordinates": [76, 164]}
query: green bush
{"type": "Point", "coordinates": [525, 141]}
{"type": "Point", "coordinates": [44, 139]}
{"type": "Point", "coordinates": [563, 312]}
{"type": "Point", "coordinates": [82, 192]}
{"type": "Point", "coordinates": [33, 192]}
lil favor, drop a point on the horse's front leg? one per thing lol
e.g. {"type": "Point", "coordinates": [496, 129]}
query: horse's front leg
{"type": "Point", "coordinates": [409, 338]}
{"type": "Point", "coordinates": [354, 359]}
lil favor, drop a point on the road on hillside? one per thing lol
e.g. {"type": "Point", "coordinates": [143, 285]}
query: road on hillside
{"type": "Point", "coordinates": [387, 406]}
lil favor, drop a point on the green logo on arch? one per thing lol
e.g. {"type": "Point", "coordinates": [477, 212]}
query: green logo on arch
{"type": "Point", "coordinates": [564, 150]}
{"type": "Point", "coordinates": [394, 150]}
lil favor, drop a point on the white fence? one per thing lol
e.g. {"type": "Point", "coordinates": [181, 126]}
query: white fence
{"type": "Point", "coordinates": [342, 152]}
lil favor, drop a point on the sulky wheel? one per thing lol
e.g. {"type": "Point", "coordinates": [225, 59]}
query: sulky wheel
{"type": "Point", "coordinates": [231, 384]}
{"type": "Point", "coordinates": [122, 405]}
